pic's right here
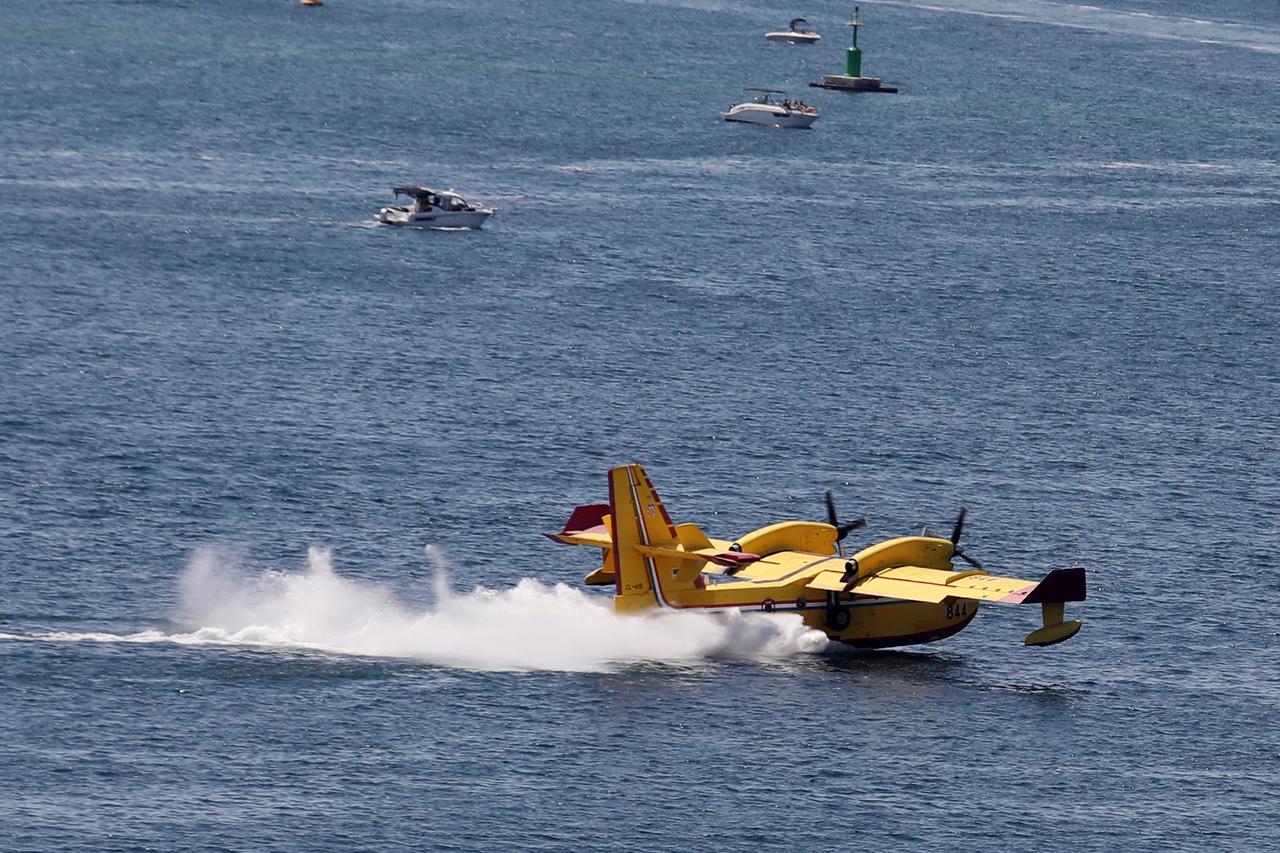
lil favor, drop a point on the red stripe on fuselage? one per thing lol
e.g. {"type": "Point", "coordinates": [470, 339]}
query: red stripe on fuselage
{"type": "Point", "coordinates": [617, 561]}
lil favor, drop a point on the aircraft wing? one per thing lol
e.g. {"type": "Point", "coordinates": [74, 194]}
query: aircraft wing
{"type": "Point", "coordinates": [915, 583]}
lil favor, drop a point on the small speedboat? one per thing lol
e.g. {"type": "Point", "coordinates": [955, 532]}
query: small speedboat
{"type": "Point", "coordinates": [434, 209]}
{"type": "Point", "coordinates": [795, 33]}
{"type": "Point", "coordinates": [774, 113]}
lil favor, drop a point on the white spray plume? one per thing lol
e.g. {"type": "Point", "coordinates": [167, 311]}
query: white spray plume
{"type": "Point", "coordinates": [443, 590]}
{"type": "Point", "coordinates": [528, 626]}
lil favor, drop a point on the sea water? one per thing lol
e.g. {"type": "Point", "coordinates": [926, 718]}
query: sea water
{"type": "Point", "coordinates": [272, 476]}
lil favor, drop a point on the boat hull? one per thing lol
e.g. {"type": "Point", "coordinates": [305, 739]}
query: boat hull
{"type": "Point", "coordinates": [794, 38]}
{"type": "Point", "coordinates": [434, 219]}
{"type": "Point", "coordinates": [769, 118]}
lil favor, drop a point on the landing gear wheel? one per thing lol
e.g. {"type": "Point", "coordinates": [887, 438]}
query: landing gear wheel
{"type": "Point", "coordinates": [838, 618]}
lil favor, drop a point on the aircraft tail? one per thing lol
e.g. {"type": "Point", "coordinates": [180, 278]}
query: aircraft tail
{"type": "Point", "coordinates": [646, 566]}
{"type": "Point", "coordinates": [650, 560]}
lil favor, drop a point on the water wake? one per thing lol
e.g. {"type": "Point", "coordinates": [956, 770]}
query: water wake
{"type": "Point", "coordinates": [1084, 16]}
{"type": "Point", "coordinates": [530, 626]}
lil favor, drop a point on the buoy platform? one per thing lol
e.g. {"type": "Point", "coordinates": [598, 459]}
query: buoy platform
{"type": "Point", "coordinates": [845, 83]}
{"type": "Point", "coordinates": [852, 80]}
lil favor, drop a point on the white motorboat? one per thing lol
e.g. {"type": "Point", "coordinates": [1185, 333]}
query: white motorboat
{"type": "Point", "coordinates": [434, 209]}
{"type": "Point", "coordinates": [795, 34]}
{"type": "Point", "coordinates": [774, 113]}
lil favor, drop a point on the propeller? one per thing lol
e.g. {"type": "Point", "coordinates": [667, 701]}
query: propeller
{"type": "Point", "coordinates": [955, 539]}
{"type": "Point", "coordinates": [842, 530]}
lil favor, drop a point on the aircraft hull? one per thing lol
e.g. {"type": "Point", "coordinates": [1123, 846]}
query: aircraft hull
{"type": "Point", "coordinates": [882, 624]}
{"type": "Point", "coordinates": [868, 622]}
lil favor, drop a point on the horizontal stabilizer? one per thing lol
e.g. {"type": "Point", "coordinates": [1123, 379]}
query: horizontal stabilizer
{"type": "Point", "coordinates": [587, 525]}
{"type": "Point", "coordinates": [602, 576]}
{"type": "Point", "coordinates": [728, 559]}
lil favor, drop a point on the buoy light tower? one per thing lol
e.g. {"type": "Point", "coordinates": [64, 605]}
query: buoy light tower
{"type": "Point", "coordinates": [853, 56]}
{"type": "Point", "coordinates": [852, 80]}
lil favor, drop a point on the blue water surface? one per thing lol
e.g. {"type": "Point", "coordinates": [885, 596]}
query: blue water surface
{"type": "Point", "coordinates": [1038, 281]}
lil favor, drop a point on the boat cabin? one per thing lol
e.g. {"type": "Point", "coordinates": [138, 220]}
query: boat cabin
{"type": "Point", "coordinates": [426, 199]}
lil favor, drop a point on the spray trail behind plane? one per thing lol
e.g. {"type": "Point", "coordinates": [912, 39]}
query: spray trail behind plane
{"type": "Point", "coordinates": [530, 626]}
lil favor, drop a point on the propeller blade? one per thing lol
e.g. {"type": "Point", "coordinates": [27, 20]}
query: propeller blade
{"type": "Point", "coordinates": [957, 551]}
{"type": "Point", "coordinates": [930, 532]}
{"type": "Point", "coordinates": [959, 528]}
{"type": "Point", "coordinates": [844, 530]}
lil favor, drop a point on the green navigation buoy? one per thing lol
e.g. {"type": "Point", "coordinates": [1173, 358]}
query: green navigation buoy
{"type": "Point", "coordinates": [852, 80]}
{"type": "Point", "coordinates": [853, 56]}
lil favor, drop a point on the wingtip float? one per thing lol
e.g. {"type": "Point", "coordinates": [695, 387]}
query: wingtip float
{"type": "Point", "coordinates": [897, 592]}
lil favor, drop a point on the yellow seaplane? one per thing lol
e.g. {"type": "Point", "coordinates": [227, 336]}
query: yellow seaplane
{"type": "Point", "coordinates": [894, 593]}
